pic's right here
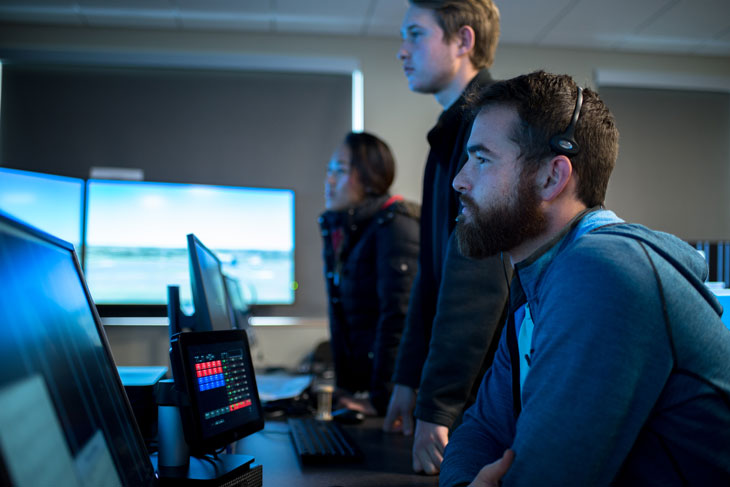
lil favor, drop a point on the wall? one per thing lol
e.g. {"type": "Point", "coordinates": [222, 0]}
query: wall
{"type": "Point", "coordinates": [673, 170]}
{"type": "Point", "coordinates": [391, 110]}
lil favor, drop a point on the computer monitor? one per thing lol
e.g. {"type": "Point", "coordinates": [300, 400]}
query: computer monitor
{"type": "Point", "coordinates": [52, 203]}
{"type": "Point", "coordinates": [64, 416]}
{"type": "Point", "coordinates": [241, 310]}
{"type": "Point", "coordinates": [723, 295]}
{"type": "Point", "coordinates": [214, 370]}
{"type": "Point", "coordinates": [236, 294]}
{"type": "Point", "coordinates": [213, 309]}
{"type": "Point", "coordinates": [135, 241]}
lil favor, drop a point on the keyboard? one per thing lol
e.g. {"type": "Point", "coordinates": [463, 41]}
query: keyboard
{"type": "Point", "coordinates": [322, 442]}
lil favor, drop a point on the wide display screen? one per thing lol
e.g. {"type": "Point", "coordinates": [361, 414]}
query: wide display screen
{"type": "Point", "coordinates": [136, 239]}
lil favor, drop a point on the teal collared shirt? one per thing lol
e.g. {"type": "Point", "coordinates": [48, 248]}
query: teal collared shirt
{"type": "Point", "coordinates": [533, 267]}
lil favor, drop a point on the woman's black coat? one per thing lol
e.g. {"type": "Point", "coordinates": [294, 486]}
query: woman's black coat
{"type": "Point", "coordinates": [370, 260]}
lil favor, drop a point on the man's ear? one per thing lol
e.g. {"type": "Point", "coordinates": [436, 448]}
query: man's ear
{"type": "Point", "coordinates": [466, 39]}
{"type": "Point", "coordinates": [554, 177]}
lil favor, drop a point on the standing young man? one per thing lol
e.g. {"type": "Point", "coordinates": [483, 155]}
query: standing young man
{"type": "Point", "coordinates": [614, 366]}
{"type": "Point", "coordinates": [457, 303]}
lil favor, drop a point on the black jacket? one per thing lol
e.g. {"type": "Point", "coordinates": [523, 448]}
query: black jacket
{"type": "Point", "coordinates": [368, 283]}
{"type": "Point", "coordinates": [457, 304]}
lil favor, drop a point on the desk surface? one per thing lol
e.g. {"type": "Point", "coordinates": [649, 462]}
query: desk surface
{"type": "Point", "coordinates": [387, 459]}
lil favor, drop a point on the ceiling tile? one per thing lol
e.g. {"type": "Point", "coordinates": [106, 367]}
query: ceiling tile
{"type": "Point", "coordinates": [233, 6]}
{"type": "Point", "coordinates": [50, 5]}
{"type": "Point", "coordinates": [355, 9]}
{"type": "Point", "coordinates": [390, 9]}
{"type": "Point", "coordinates": [522, 21]}
{"type": "Point", "coordinates": [129, 13]}
{"type": "Point", "coordinates": [126, 4]}
{"type": "Point", "coordinates": [600, 23]}
{"type": "Point", "coordinates": [225, 21]}
{"type": "Point", "coordinates": [48, 11]}
{"type": "Point", "coordinates": [248, 16]}
{"type": "Point", "coordinates": [318, 24]}
{"type": "Point", "coordinates": [695, 19]}
{"type": "Point", "coordinates": [342, 17]}
{"type": "Point", "coordinates": [132, 18]}
{"type": "Point", "coordinates": [386, 19]}
{"type": "Point", "coordinates": [38, 3]}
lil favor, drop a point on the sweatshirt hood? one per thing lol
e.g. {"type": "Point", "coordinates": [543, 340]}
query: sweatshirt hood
{"type": "Point", "coordinates": [682, 256]}
{"type": "Point", "coordinates": [678, 253]}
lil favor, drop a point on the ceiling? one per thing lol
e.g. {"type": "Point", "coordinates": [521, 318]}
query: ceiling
{"type": "Point", "coordinates": [657, 26]}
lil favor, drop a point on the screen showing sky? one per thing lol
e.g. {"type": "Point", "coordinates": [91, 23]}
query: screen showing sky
{"type": "Point", "coordinates": [136, 239]}
{"type": "Point", "coordinates": [51, 203]}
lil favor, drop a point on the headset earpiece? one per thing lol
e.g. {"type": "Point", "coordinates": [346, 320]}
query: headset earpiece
{"type": "Point", "coordinates": [565, 143]}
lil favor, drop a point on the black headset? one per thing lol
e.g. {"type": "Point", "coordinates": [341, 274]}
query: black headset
{"type": "Point", "coordinates": [565, 143]}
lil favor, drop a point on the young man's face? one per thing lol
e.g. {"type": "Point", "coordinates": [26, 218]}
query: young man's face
{"type": "Point", "coordinates": [428, 61]}
{"type": "Point", "coordinates": [342, 186]}
{"type": "Point", "coordinates": [500, 204]}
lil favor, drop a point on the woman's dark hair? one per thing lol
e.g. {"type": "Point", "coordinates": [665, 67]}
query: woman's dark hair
{"type": "Point", "coordinates": [373, 161]}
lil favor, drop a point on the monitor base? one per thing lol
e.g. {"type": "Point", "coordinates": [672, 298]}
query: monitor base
{"type": "Point", "coordinates": [226, 470]}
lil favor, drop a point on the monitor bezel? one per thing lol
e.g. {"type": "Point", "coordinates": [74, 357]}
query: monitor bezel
{"type": "Point", "coordinates": [185, 380]}
{"type": "Point", "coordinates": [203, 319]}
{"type": "Point", "coordinates": [67, 246]}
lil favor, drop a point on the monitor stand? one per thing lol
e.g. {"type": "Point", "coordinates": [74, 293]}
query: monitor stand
{"type": "Point", "coordinates": [225, 469]}
{"type": "Point", "coordinates": [173, 462]}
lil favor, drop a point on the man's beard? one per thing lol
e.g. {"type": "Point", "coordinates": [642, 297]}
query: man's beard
{"type": "Point", "coordinates": [504, 226]}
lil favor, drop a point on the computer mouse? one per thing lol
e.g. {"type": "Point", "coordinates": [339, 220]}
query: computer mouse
{"type": "Point", "coordinates": [348, 416]}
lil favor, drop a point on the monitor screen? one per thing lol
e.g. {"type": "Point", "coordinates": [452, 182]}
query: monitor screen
{"type": "Point", "coordinates": [723, 295]}
{"type": "Point", "coordinates": [135, 239]}
{"type": "Point", "coordinates": [52, 203]}
{"type": "Point", "coordinates": [213, 310]}
{"type": "Point", "coordinates": [64, 416]}
{"type": "Point", "coordinates": [216, 371]}
{"type": "Point", "coordinates": [241, 311]}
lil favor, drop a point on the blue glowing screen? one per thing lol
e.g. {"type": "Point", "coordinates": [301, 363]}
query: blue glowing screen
{"type": "Point", "coordinates": [51, 203]}
{"type": "Point", "coordinates": [136, 239]}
